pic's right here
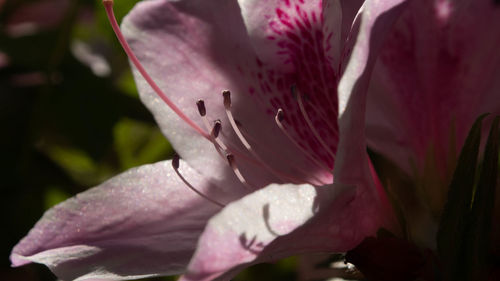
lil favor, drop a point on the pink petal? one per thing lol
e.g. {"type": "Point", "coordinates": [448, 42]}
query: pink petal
{"type": "Point", "coordinates": [268, 22]}
{"type": "Point", "coordinates": [352, 167]}
{"type": "Point", "coordinates": [282, 220]}
{"type": "Point", "coordinates": [376, 19]}
{"type": "Point", "coordinates": [339, 18]}
{"type": "Point", "coordinates": [434, 76]}
{"type": "Point", "coordinates": [143, 222]}
{"type": "Point", "coordinates": [194, 50]}
{"type": "Point", "coordinates": [350, 9]}
{"type": "Point", "coordinates": [297, 45]}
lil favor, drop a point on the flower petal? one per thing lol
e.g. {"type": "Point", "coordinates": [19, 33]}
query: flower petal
{"type": "Point", "coordinates": [194, 50]}
{"type": "Point", "coordinates": [282, 220]}
{"type": "Point", "coordinates": [268, 22]}
{"type": "Point", "coordinates": [376, 20]}
{"type": "Point", "coordinates": [339, 18]}
{"type": "Point", "coordinates": [143, 222]}
{"type": "Point", "coordinates": [353, 166]}
{"type": "Point", "coordinates": [297, 47]}
{"type": "Point", "coordinates": [173, 42]}
{"type": "Point", "coordinates": [433, 79]}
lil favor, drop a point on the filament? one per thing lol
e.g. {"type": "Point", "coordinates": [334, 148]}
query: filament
{"type": "Point", "coordinates": [227, 105]}
{"type": "Point", "coordinates": [311, 126]}
{"type": "Point", "coordinates": [271, 151]}
{"type": "Point", "coordinates": [278, 118]}
{"type": "Point", "coordinates": [175, 165]}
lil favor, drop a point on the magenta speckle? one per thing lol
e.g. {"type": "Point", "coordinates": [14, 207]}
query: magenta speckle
{"type": "Point", "coordinates": [300, 42]}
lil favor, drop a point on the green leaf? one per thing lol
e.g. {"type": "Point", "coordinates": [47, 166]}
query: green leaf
{"type": "Point", "coordinates": [477, 240]}
{"type": "Point", "coordinates": [126, 83]}
{"type": "Point", "coordinates": [452, 225]}
{"type": "Point", "coordinates": [78, 164]}
{"type": "Point", "coordinates": [138, 143]}
{"type": "Point", "coordinates": [53, 196]}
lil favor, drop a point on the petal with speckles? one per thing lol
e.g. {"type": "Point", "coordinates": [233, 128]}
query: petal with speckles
{"type": "Point", "coordinates": [195, 49]}
{"type": "Point", "coordinates": [297, 46]}
{"type": "Point", "coordinates": [432, 80]}
{"type": "Point", "coordinates": [144, 222]}
{"type": "Point", "coordinates": [279, 221]}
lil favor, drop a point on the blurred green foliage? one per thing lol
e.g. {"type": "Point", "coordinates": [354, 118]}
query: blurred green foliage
{"type": "Point", "coordinates": [69, 123]}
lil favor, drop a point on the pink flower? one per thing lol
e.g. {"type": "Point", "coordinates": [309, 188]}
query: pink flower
{"type": "Point", "coordinates": [270, 170]}
{"type": "Point", "coordinates": [432, 80]}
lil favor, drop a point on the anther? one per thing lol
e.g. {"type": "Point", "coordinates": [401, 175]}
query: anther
{"type": "Point", "coordinates": [230, 159]}
{"type": "Point", "coordinates": [175, 161]}
{"type": "Point", "coordinates": [216, 129]}
{"type": "Point", "coordinates": [175, 165]}
{"type": "Point", "coordinates": [280, 116]}
{"type": "Point", "coordinates": [202, 110]}
{"type": "Point", "coordinates": [201, 107]}
{"type": "Point", "coordinates": [227, 99]}
{"type": "Point", "coordinates": [219, 145]}
{"type": "Point", "coordinates": [214, 132]}
{"type": "Point", "coordinates": [232, 163]}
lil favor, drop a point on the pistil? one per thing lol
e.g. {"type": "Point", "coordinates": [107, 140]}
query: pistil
{"type": "Point", "coordinates": [108, 5]}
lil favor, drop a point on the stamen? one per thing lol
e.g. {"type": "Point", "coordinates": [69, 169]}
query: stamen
{"type": "Point", "coordinates": [175, 165]}
{"type": "Point", "coordinates": [232, 164]}
{"type": "Point", "coordinates": [316, 181]}
{"type": "Point", "coordinates": [221, 150]}
{"type": "Point", "coordinates": [279, 118]}
{"type": "Point", "coordinates": [227, 99]}
{"type": "Point", "coordinates": [321, 114]}
{"type": "Point", "coordinates": [203, 113]}
{"type": "Point", "coordinates": [201, 108]}
{"type": "Point", "coordinates": [227, 150]}
{"type": "Point", "coordinates": [217, 142]}
{"type": "Point", "coordinates": [227, 104]}
{"type": "Point", "coordinates": [311, 126]}
{"type": "Point", "coordinates": [108, 5]}
{"type": "Point", "coordinates": [216, 129]}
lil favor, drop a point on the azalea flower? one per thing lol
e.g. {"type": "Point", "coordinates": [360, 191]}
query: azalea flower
{"type": "Point", "coordinates": [432, 80]}
{"type": "Point", "coordinates": [255, 182]}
